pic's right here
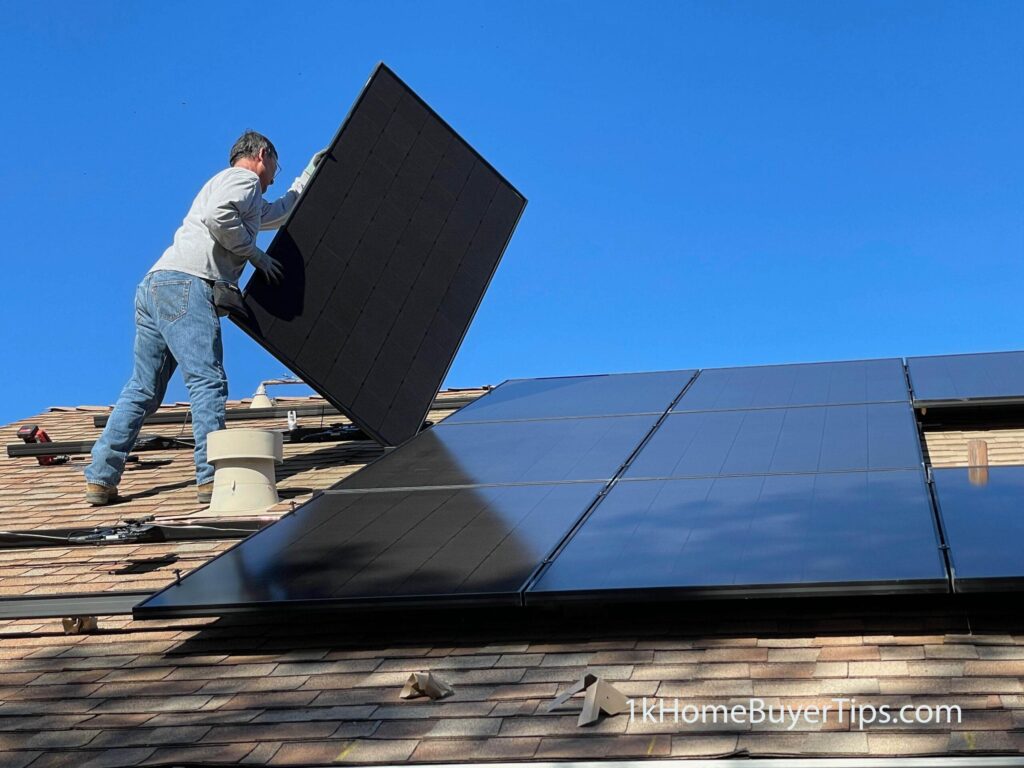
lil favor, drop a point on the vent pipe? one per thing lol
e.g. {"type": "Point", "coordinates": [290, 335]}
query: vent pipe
{"type": "Point", "coordinates": [977, 462]}
{"type": "Point", "coordinates": [261, 399]}
{"type": "Point", "coordinates": [244, 460]}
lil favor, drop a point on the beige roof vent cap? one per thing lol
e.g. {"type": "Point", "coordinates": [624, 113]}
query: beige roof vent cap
{"type": "Point", "coordinates": [244, 482]}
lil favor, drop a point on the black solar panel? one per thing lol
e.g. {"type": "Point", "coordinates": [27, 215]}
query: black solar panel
{"type": "Point", "coordinates": [386, 258]}
{"type": "Point", "coordinates": [858, 532]}
{"type": "Point", "coordinates": [576, 396]}
{"type": "Point", "coordinates": [543, 451]}
{"type": "Point", "coordinates": [780, 440]}
{"type": "Point", "coordinates": [780, 386]}
{"type": "Point", "coordinates": [983, 514]}
{"type": "Point", "coordinates": [387, 548]}
{"type": "Point", "coordinates": [956, 379]}
{"type": "Point", "coordinates": [585, 488]}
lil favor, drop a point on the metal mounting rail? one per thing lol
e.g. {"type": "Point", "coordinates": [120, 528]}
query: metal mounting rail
{"type": "Point", "coordinates": [277, 412]}
{"type": "Point", "coordinates": [58, 606]}
{"type": "Point", "coordinates": [339, 433]}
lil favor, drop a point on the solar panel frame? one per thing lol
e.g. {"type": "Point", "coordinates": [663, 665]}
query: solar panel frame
{"type": "Point", "coordinates": [943, 381]}
{"type": "Point", "coordinates": [385, 388]}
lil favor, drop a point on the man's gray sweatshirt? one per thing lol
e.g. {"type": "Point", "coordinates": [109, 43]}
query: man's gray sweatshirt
{"type": "Point", "coordinates": [218, 235]}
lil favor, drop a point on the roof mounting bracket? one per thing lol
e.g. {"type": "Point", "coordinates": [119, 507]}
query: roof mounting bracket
{"type": "Point", "coordinates": [600, 696]}
{"type": "Point", "coordinates": [425, 684]}
{"type": "Point", "coordinates": [80, 625]}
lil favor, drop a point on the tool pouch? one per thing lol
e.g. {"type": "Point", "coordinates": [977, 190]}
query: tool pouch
{"type": "Point", "coordinates": [227, 298]}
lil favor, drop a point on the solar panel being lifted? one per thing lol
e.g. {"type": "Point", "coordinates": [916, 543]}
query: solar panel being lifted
{"type": "Point", "coordinates": [994, 377]}
{"type": "Point", "coordinates": [386, 258]}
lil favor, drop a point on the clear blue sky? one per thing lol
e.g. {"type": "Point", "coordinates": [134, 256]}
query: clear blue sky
{"type": "Point", "coordinates": [710, 183]}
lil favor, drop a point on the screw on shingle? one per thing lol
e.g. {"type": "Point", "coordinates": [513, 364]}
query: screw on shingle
{"type": "Point", "coordinates": [177, 576]}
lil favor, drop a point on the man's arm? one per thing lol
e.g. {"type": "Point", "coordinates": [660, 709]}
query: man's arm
{"type": "Point", "coordinates": [274, 214]}
{"type": "Point", "coordinates": [228, 206]}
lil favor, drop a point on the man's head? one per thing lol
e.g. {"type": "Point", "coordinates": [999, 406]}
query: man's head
{"type": "Point", "coordinates": [255, 152]}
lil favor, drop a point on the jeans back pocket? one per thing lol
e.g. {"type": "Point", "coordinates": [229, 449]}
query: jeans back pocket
{"type": "Point", "coordinates": [170, 299]}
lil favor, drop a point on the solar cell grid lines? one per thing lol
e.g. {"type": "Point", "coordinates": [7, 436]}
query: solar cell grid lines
{"type": "Point", "coordinates": [386, 258]}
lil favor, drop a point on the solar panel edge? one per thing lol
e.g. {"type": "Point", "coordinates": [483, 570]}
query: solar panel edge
{"type": "Point", "coordinates": [344, 409]}
{"type": "Point", "coordinates": [378, 68]}
{"type": "Point", "coordinates": [430, 110]}
{"type": "Point", "coordinates": [487, 284]}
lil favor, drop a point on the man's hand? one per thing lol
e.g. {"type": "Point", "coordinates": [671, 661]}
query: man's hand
{"type": "Point", "coordinates": [316, 160]}
{"type": "Point", "coordinates": [300, 183]}
{"type": "Point", "coordinates": [268, 266]}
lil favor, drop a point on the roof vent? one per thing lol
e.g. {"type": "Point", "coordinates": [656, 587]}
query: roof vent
{"type": "Point", "coordinates": [261, 399]}
{"type": "Point", "coordinates": [244, 459]}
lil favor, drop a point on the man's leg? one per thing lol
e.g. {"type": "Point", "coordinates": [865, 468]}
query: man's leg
{"type": "Point", "coordinates": [195, 341]}
{"type": "Point", "coordinates": [140, 397]}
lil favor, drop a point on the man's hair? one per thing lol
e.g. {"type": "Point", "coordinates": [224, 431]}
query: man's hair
{"type": "Point", "coordinates": [249, 144]}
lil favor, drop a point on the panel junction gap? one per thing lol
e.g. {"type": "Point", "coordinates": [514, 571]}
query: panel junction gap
{"type": "Point", "coordinates": [549, 558]}
{"type": "Point", "coordinates": [940, 529]}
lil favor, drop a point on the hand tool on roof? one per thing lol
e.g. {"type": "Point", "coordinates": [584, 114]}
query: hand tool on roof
{"type": "Point", "coordinates": [31, 433]}
{"type": "Point", "coordinates": [45, 448]}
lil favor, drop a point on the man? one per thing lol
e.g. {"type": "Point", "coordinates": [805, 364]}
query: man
{"type": "Point", "coordinates": [176, 322]}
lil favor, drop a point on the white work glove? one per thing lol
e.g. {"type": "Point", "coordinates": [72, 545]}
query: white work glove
{"type": "Point", "coordinates": [300, 183]}
{"type": "Point", "coordinates": [267, 265]}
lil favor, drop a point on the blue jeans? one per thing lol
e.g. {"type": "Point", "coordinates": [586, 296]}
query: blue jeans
{"type": "Point", "coordinates": [175, 324]}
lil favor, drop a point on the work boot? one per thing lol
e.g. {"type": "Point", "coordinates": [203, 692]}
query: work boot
{"type": "Point", "coordinates": [204, 493]}
{"type": "Point", "coordinates": [99, 495]}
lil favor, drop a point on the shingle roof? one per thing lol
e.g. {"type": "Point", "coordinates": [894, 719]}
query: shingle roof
{"type": "Point", "coordinates": [34, 497]}
{"type": "Point", "coordinates": [324, 690]}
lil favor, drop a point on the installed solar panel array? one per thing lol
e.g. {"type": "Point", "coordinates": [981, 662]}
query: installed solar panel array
{"type": "Point", "coordinates": [799, 478]}
{"type": "Point", "coordinates": [466, 512]}
{"type": "Point", "coordinates": [980, 507]}
{"type": "Point", "coordinates": [950, 380]}
{"type": "Point", "coordinates": [386, 258]}
{"type": "Point", "coordinates": [803, 479]}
